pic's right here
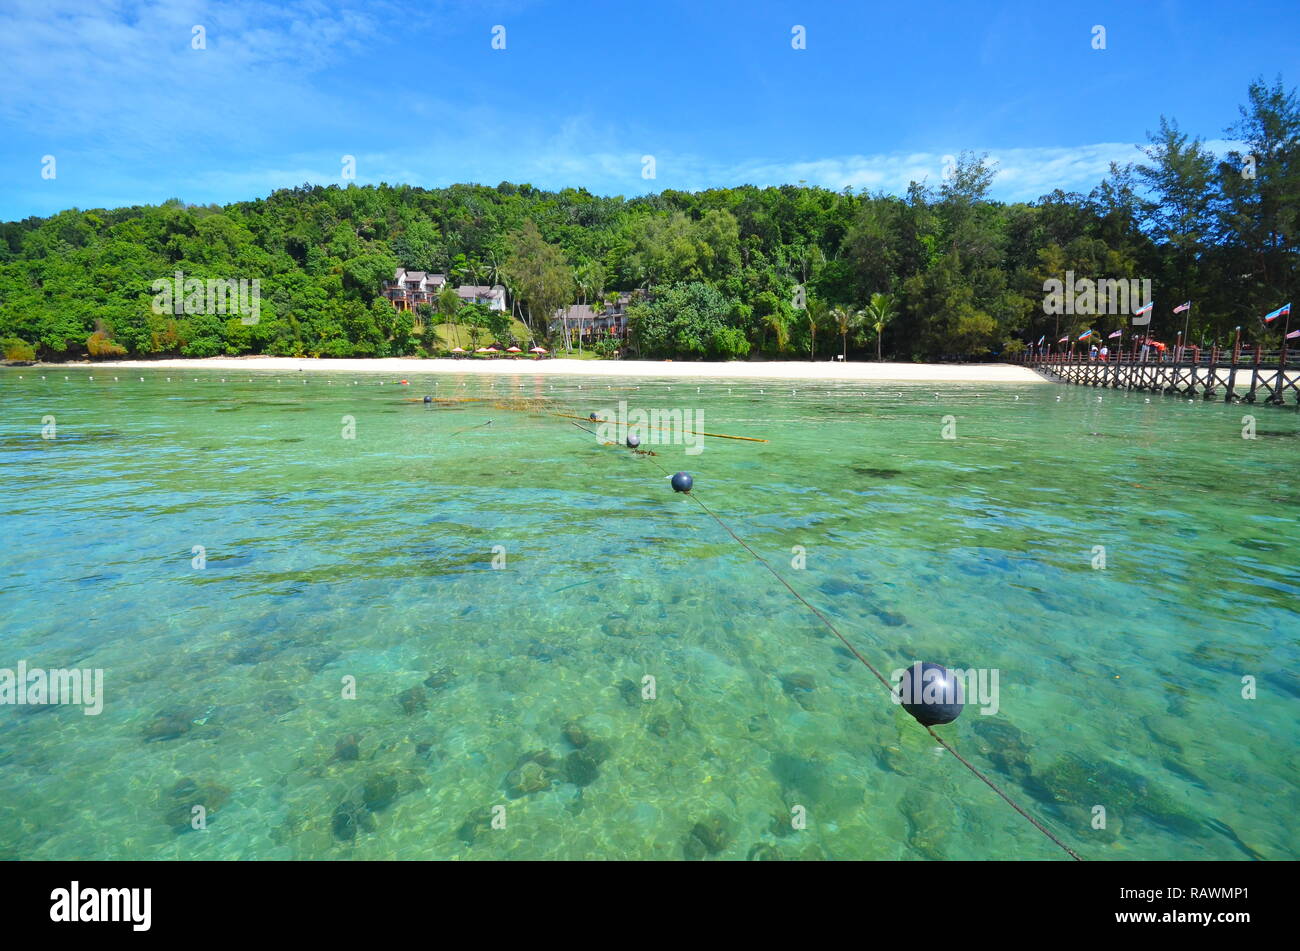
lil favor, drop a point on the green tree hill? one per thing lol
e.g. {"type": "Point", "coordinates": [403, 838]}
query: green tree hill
{"type": "Point", "coordinates": [749, 266]}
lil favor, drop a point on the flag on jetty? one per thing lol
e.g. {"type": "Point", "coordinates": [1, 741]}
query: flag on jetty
{"type": "Point", "coordinates": [1118, 333]}
{"type": "Point", "coordinates": [1085, 335]}
{"type": "Point", "coordinates": [1145, 309]}
{"type": "Point", "coordinates": [1065, 339]}
{"type": "Point", "coordinates": [1182, 307]}
{"type": "Point", "coordinates": [1293, 334]}
{"type": "Point", "coordinates": [1041, 339]}
{"type": "Point", "coordinates": [1284, 309]}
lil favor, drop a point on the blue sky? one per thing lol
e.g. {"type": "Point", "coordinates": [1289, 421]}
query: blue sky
{"type": "Point", "coordinates": [583, 90]}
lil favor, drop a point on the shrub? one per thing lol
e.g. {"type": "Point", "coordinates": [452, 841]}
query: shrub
{"type": "Point", "coordinates": [99, 344]}
{"type": "Point", "coordinates": [15, 349]}
{"type": "Point", "coordinates": [606, 347]}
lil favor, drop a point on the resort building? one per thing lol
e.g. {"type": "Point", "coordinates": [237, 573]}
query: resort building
{"type": "Point", "coordinates": [409, 289]}
{"type": "Point", "coordinates": [494, 297]}
{"type": "Point", "coordinates": [594, 321]}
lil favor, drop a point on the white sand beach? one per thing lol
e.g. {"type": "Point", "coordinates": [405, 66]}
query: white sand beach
{"type": "Point", "coordinates": [737, 370]}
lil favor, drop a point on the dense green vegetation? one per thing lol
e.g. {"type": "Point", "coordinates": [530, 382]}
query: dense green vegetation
{"type": "Point", "coordinates": [728, 273]}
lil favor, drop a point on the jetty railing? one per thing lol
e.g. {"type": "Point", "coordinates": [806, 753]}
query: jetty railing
{"type": "Point", "coordinates": [1240, 374]}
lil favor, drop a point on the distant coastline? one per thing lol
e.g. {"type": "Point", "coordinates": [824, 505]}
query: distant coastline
{"type": "Point", "coordinates": [729, 370]}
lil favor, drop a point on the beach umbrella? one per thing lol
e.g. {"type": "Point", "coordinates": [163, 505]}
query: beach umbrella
{"type": "Point", "coordinates": [493, 350]}
{"type": "Point", "coordinates": [539, 350]}
{"type": "Point", "coordinates": [513, 350]}
{"type": "Point", "coordinates": [457, 349]}
{"type": "Point", "coordinates": [481, 350]}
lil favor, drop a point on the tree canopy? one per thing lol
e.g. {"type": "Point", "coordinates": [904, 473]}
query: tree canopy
{"type": "Point", "coordinates": [725, 272]}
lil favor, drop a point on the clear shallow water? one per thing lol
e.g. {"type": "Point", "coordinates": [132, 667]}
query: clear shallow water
{"type": "Point", "coordinates": [371, 558]}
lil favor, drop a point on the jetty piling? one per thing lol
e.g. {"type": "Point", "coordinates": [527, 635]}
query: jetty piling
{"type": "Point", "coordinates": [1274, 375]}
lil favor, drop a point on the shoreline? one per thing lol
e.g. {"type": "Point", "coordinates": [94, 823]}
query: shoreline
{"type": "Point", "coordinates": [734, 370]}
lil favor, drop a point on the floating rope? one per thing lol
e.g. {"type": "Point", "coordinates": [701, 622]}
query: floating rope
{"type": "Point", "coordinates": [664, 430]}
{"type": "Point", "coordinates": [878, 675]}
{"type": "Point", "coordinates": [468, 428]}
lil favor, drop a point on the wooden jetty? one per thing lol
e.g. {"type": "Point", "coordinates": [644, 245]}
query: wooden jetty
{"type": "Point", "coordinates": [1246, 375]}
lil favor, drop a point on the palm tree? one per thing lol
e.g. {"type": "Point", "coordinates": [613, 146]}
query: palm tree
{"type": "Point", "coordinates": [880, 312]}
{"type": "Point", "coordinates": [815, 313]}
{"type": "Point", "coordinates": [846, 320]}
{"type": "Point", "coordinates": [448, 302]}
{"type": "Point", "coordinates": [776, 321]}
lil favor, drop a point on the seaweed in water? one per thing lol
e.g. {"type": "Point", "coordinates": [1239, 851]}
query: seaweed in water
{"type": "Point", "coordinates": [349, 817]}
{"type": "Point", "coordinates": [707, 838]}
{"type": "Point", "coordinates": [877, 473]}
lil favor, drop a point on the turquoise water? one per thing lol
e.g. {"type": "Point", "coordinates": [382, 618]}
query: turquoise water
{"type": "Point", "coordinates": [371, 558]}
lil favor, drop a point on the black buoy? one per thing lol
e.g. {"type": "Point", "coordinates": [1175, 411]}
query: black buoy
{"type": "Point", "coordinates": [633, 441]}
{"type": "Point", "coordinates": [682, 482]}
{"type": "Point", "coordinates": [592, 417]}
{"type": "Point", "coordinates": [428, 399]}
{"type": "Point", "coordinates": [930, 693]}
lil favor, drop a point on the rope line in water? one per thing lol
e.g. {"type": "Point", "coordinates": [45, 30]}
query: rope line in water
{"type": "Point", "coordinates": [694, 432]}
{"type": "Point", "coordinates": [468, 428]}
{"type": "Point", "coordinates": [885, 683]}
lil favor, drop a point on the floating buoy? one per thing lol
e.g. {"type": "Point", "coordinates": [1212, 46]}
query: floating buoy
{"type": "Point", "coordinates": [682, 482]}
{"type": "Point", "coordinates": [592, 417]}
{"type": "Point", "coordinates": [633, 441]}
{"type": "Point", "coordinates": [428, 399]}
{"type": "Point", "coordinates": [930, 693]}
{"type": "Point", "coordinates": [405, 383]}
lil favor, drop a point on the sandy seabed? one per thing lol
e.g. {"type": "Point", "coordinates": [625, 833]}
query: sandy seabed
{"type": "Point", "coordinates": [791, 370]}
